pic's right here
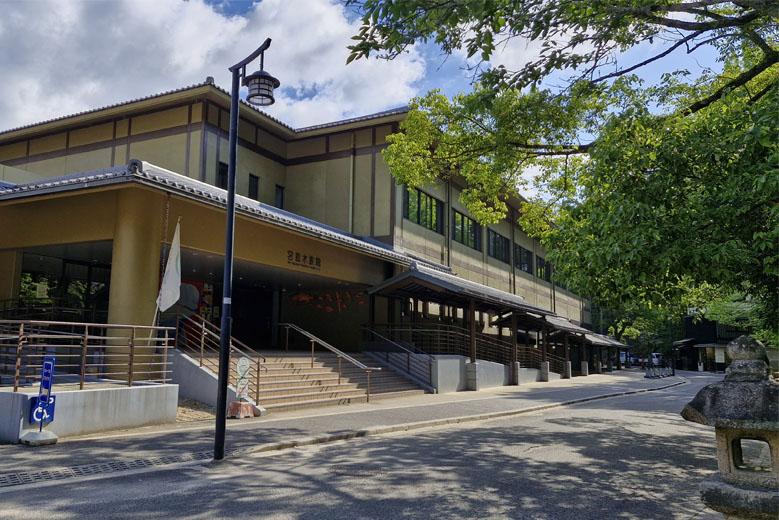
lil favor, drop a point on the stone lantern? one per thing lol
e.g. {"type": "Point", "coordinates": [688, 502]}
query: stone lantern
{"type": "Point", "coordinates": [744, 411]}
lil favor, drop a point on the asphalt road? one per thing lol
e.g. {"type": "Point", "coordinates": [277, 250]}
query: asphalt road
{"type": "Point", "coordinates": [629, 457]}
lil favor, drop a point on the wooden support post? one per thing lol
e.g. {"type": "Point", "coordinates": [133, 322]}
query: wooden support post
{"type": "Point", "coordinates": [544, 343]}
{"type": "Point", "coordinates": [132, 358]}
{"type": "Point", "coordinates": [513, 332]}
{"type": "Point", "coordinates": [18, 364]}
{"type": "Point", "coordinates": [84, 343]}
{"type": "Point", "coordinates": [472, 319]}
{"type": "Point", "coordinates": [567, 348]}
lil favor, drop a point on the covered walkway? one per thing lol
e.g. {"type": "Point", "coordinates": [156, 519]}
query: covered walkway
{"type": "Point", "coordinates": [536, 337]}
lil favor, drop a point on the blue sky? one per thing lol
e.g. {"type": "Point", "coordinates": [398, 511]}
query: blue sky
{"type": "Point", "coordinates": [61, 58]}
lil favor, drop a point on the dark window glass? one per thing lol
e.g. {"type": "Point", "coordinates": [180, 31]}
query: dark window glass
{"type": "Point", "coordinates": [421, 208]}
{"type": "Point", "coordinates": [221, 176]}
{"type": "Point", "coordinates": [523, 259]}
{"type": "Point", "coordinates": [254, 187]}
{"type": "Point", "coordinates": [279, 200]}
{"type": "Point", "coordinates": [498, 246]}
{"type": "Point", "coordinates": [543, 269]}
{"type": "Point", "coordinates": [466, 231]}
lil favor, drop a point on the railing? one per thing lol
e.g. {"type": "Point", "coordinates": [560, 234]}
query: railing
{"type": "Point", "coordinates": [200, 339]}
{"type": "Point", "coordinates": [341, 355]}
{"type": "Point", "coordinates": [83, 352]}
{"type": "Point", "coordinates": [50, 309]}
{"type": "Point", "coordinates": [407, 359]}
{"type": "Point", "coordinates": [436, 338]}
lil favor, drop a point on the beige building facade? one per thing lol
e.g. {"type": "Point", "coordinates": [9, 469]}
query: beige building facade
{"type": "Point", "coordinates": [320, 219]}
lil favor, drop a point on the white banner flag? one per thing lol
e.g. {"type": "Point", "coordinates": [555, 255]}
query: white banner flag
{"type": "Point", "coordinates": [171, 280]}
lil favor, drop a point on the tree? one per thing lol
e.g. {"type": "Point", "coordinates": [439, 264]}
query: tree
{"type": "Point", "coordinates": [648, 193]}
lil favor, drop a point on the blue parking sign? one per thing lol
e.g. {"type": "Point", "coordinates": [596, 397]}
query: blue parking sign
{"type": "Point", "coordinates": [42, 409]}
{"type": "Point", "coordinates": [42, 414]}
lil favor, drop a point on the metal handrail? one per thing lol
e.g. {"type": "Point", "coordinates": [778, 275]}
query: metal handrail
{"type": "Point", "coordinates": [213, 347]}
{"type": "Point", "coordinates": [328, 346]}
{"type": "Point", "coordinates": [341, 355]}
{"type": "Point", "coordinates": [78, 353]}
{"type": "Point", "coordinates": [233, 340]}
{"type": "Point", "coordinates": [451, 338]}
{"type": "Point", "coordinates": [426, 361]}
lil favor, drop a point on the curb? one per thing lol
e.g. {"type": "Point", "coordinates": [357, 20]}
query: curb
{"type": "Point", "coordinates": [380, 430]}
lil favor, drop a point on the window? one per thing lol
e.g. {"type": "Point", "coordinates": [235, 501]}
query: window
{"type": "Point", "coordinates": [523, 259]}
{"type": "Point", "coordinates": [498, 246]}
{"type": "Point", "coordinates": [543, 269]}
{"type": "Point", "coordinates": [221, 176]}
{"type": "Point", "coordinates": [423, 209]}
{"type": "Point", "coordinates": [279, 200]}
{"type": "Point", "coordinates": [254, 187]}
{"type": "Point", "coordinates": [466, 231]}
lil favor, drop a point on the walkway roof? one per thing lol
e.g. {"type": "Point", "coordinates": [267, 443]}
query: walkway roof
{"type": "Point", "coordinates": [432, 285]}
{"type": "Point", "coordinates": [558, 324]}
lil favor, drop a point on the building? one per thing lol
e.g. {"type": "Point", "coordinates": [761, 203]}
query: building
{"type": "Point", "coordinates": [324, 236]}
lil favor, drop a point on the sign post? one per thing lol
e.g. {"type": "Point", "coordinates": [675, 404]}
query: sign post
{"type": "Point", "coordinates": [42, 408]}
{"type": "Point", "coordinates": [242, 408]}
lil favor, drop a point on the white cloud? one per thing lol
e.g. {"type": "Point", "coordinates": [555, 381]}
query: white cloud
{"type": "Point", "coordinates": [64, 57]}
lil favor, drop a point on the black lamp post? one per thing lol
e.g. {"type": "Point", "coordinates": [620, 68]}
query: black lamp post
{"type": "Point", "coordinates": [261, 85]}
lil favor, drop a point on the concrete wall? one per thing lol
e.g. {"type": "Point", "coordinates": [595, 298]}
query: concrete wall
{"type": "Point", "coordinates": [87, 411]}
{"type": "Point", "coordinates": [449, 374]}
{"type": "Point", "coordinates": [198, 383]}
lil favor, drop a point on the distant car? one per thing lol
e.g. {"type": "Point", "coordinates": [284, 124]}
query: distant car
{"type": "Point", "coordinates": [635, 360]}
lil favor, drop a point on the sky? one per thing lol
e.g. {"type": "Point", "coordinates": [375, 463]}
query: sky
{"type": "Point", "coordinates": [62, 57]}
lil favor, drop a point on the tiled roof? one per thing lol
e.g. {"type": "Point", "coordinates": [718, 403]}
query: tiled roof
{"type": "Point", "coordinates": [146, 173]}
{"type": "Point", "coordinates": [368, 117]}
{"type": "Point", "coordinates": [394, 111]}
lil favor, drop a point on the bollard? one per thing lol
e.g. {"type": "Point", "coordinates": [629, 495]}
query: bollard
{"type": "Point", "coordinates": [744, 411]}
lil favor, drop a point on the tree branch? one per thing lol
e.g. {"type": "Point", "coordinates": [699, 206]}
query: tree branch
{"type": "Point", "coordinates": [762, 93]}
{"type": "Point", "coordinates": [650, 60]}
{"type": "Point", "coordinates": [770, 59]}
{"type": "Point", "coordinates": [646, 14]}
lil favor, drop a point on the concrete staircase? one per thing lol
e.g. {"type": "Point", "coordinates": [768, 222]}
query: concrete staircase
{"type": "Point", "coordinates": [291, 382]}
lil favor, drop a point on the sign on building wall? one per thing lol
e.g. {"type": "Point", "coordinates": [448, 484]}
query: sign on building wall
{"type": "Point", "coordinates": [306, 260]}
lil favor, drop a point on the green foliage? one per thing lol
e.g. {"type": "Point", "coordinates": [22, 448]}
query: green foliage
{"type": "Point", "coordinates": [741, 310]}
{"type": "Point", "coordinates": [657, 196]}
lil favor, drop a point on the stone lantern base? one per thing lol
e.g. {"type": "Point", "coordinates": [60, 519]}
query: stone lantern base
{"type": "Point", "coordinates": [739, 502]}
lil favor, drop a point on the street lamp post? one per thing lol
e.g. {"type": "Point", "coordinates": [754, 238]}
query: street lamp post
{"type": "Point", "coordinates": [261, 85]}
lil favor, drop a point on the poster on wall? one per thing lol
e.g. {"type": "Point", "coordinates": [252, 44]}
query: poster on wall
{"type": "Point", "coordinates": [205, 308]}
{"type": "Point", "coordinates": [329, 301]}
{"type": "Point", "coordinates": [42, 290]}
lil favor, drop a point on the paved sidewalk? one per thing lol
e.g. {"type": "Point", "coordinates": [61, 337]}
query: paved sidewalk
{"type": "Point", "coordinates": [187, 441]}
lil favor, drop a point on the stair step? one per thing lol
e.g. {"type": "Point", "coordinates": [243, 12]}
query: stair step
{"type": "Point", "coordinates": [313, 389]}
{"type": "Point", "coordinates": [287, 399]}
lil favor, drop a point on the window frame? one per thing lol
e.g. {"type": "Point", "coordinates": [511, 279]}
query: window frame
{"type": "Point", "coordinates": [222, 172]}
{"type": "Point", "coordinates": [428, 211]}
{"type": "Point", "coordinates": [505, 246]}
{"type": "Point", "coordinates": [519, 253]}
{"type": "Point", "coordinates": [256, 181]}
{"type": "Point", "coordinates": [278, 197]}
{"type": "Point", "coordinates": [467, 227]}
{"type": "Point", "coordinates": [543, 269]}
